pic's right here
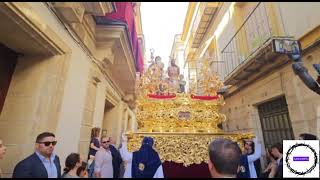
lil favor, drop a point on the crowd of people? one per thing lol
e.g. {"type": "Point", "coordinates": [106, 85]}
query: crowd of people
{"type": "Point", "coordinates": [106, 161]}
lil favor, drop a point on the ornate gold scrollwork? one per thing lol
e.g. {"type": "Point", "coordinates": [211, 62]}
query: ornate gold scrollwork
{"type": "Point", "coordinates": [182, 127]}
{"type": "Point", "coordinates": [185, 148]}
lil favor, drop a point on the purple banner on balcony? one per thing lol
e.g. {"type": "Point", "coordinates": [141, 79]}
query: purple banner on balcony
{"type": "Point", "coordinates": [125, 13]}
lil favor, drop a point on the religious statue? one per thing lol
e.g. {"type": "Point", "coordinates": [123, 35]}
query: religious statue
{"type": "Point", "coordinates": [209, 83]}
{"type": "Point", "coordinates": [173, 73]}
{"type": "Point", "coordinates": [182, 84]}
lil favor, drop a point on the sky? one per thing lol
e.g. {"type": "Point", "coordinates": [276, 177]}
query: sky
{"type": "Point", "coordinates": [161, 21]}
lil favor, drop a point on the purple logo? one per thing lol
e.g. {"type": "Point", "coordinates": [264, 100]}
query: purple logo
{"type": "Point", "coordinates": [300, 158]}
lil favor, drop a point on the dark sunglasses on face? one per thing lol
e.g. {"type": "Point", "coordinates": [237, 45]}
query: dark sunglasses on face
{"type": "Point", "coordinates": [48, 143]}
{"type": "Point", "coordinates": [104, 142]}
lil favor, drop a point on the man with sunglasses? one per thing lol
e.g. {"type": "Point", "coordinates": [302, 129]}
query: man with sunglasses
{"type": "Point", "coordinates": [103, 167]}
{"type": "Point", "coordinates": [41, 164]}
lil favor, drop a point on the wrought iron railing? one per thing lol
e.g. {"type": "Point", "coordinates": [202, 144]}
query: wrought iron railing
{"type": "Point", "coordinates": [252, 34]}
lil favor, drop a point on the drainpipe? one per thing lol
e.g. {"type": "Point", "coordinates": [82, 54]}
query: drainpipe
{"type": "Point", "coordinates": [303, 74]}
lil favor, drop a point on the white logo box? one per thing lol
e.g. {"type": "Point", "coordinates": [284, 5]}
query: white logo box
{"type": "Point", "coordinates": [301, 158]}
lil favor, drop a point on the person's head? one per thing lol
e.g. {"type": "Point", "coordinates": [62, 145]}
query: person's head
{"type": "Point", "coordinates": [45, 143]}
{"type": "Point", "coordinates": [269, 155]}
{"type": "Point", "coordinates": [95, 132]}
{"type": "Point", "coordinates": [173, 62]}
{"type": "Point", "coordinates": [158, 59]}
{"type": "Point", "coordinates": [2, 149]}
{"type": "Point", "coordinates": [73, 161]}
{"type": "Point", "coordinates": [112, 140]}
{"type": "Point", "coordinates": [181, 77]}
{"type": "Point", "coordinates": [276, 150]}
{"type": "Point", "coordinates": [82, 171]}
{"type": "Point", "coordinates": [147, 141]}
{"type": "Point", "coordinates": [224, 158]}
{"type": "Point", "coordinates": [307, 136]}
{"type": "Point", "coordinates": [105, 141]}
{"type": "Point", "coordinates": [248, 146]}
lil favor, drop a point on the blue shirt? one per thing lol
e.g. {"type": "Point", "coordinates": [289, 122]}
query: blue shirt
{"type": "Point", "coordinates": [49, 165]}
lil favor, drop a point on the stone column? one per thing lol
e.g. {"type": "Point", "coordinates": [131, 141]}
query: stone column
{"type": "Point", "coordinates": [100, 105]}
{"type": "Point", "coordinates": [71, 116]}
{"type": "Point", "coordinates": [32, 105]}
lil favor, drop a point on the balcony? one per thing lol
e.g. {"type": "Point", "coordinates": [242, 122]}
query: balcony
{"type": "Point", "coordinates": [204, 17]}
{"type": "Point", "coordinates": [117, 31]}
{"type": "Point", "coordinates": [248, 55]}
{"type": "Point", "coordinates": [203, 21]}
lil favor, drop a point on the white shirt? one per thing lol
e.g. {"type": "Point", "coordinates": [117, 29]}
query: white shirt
{"type": "Point", "coordinates": [49, 165]}
{"type": "Point", "coordinates": [103, 163]}
{"type": "Point", "coordinates": [253, 157]}
{"type": "Point", "coordinates": [127, 158]}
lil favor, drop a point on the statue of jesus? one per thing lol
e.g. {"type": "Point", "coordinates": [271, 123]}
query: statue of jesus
{"type": "Point", "coordinates": [173, 73]}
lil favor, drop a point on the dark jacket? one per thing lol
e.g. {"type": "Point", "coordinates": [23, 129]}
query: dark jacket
{"type": "Point", "coordinates": [279, 173]}
{"type": "Point", "coordinates": [257, 166]}
{"type": "Point", "coordinates": [116, 161]}
{"type": "Point", "coordinates": [32, 167]}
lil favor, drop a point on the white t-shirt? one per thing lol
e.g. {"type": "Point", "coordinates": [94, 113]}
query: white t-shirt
{"type": "Point", "coordinates": [103, 163]}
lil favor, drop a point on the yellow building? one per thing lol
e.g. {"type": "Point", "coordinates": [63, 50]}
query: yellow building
{"type": "Point", "coordinates": [265, 96]}
{"type": "Point", "coordinates": [201, 20]}
{"type": "Point", "coordinates": [60, 73]}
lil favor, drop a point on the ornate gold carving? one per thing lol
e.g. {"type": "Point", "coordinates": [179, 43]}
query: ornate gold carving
{"type": "Point", "coordinates": [185, 148]}
{"type": "Point", "coordinates": [210, 82]}
{"type": "Point", "coordinates": [181, 140]}
{"type": "Point", "coordinates": [162, 115]}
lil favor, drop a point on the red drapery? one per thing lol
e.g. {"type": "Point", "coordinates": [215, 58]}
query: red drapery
{"type": "Point", "coordinates": [205, 97]}
{"type": "Point", "coordinates": [124, 13]}
{"type": "Point", "coordinates": [192, 96]}
{"type": "Point", "coordinates": [176, 170]}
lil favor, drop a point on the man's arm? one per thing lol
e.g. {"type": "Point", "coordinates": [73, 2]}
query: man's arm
{"type": "Point", "coordinates": [98, 164]}
{"type": "Point", "coordinates": [125, 154]}
{"type": "Point", "coordinates": [22, 170]}
{"type": "Point", "coordinates": [273, 172]}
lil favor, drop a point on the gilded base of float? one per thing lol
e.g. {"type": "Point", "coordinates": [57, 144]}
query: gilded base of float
{"type": "Point", "coordinates": [181, 147]}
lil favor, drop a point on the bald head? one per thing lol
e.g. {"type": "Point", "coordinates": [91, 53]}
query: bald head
{"type": "Point", "coordinates": [225, 156]}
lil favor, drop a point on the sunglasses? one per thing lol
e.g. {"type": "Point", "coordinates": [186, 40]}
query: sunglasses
{"type": "Point", "coordinates": [104, 142]}
{"type": "Point", "coordinates": [48, 143]}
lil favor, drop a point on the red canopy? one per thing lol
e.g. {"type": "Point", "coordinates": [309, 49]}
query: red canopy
{"type": "Point", "coordinates": [124, 13]}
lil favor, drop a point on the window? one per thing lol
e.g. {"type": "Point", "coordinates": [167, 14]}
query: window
{"type": "Point", "coordinates": [275, 121]}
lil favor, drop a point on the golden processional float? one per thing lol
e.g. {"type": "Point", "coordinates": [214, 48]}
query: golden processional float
{"type": "Point", "coordinates": [181, 124]}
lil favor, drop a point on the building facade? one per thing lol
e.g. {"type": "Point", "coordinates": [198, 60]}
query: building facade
{"type": "Point", "coordinates": [200, 22]}
{"type": "Point", "coordinates": [265, 96]}
{"type": "Point", "coordinates": [60, 72]}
